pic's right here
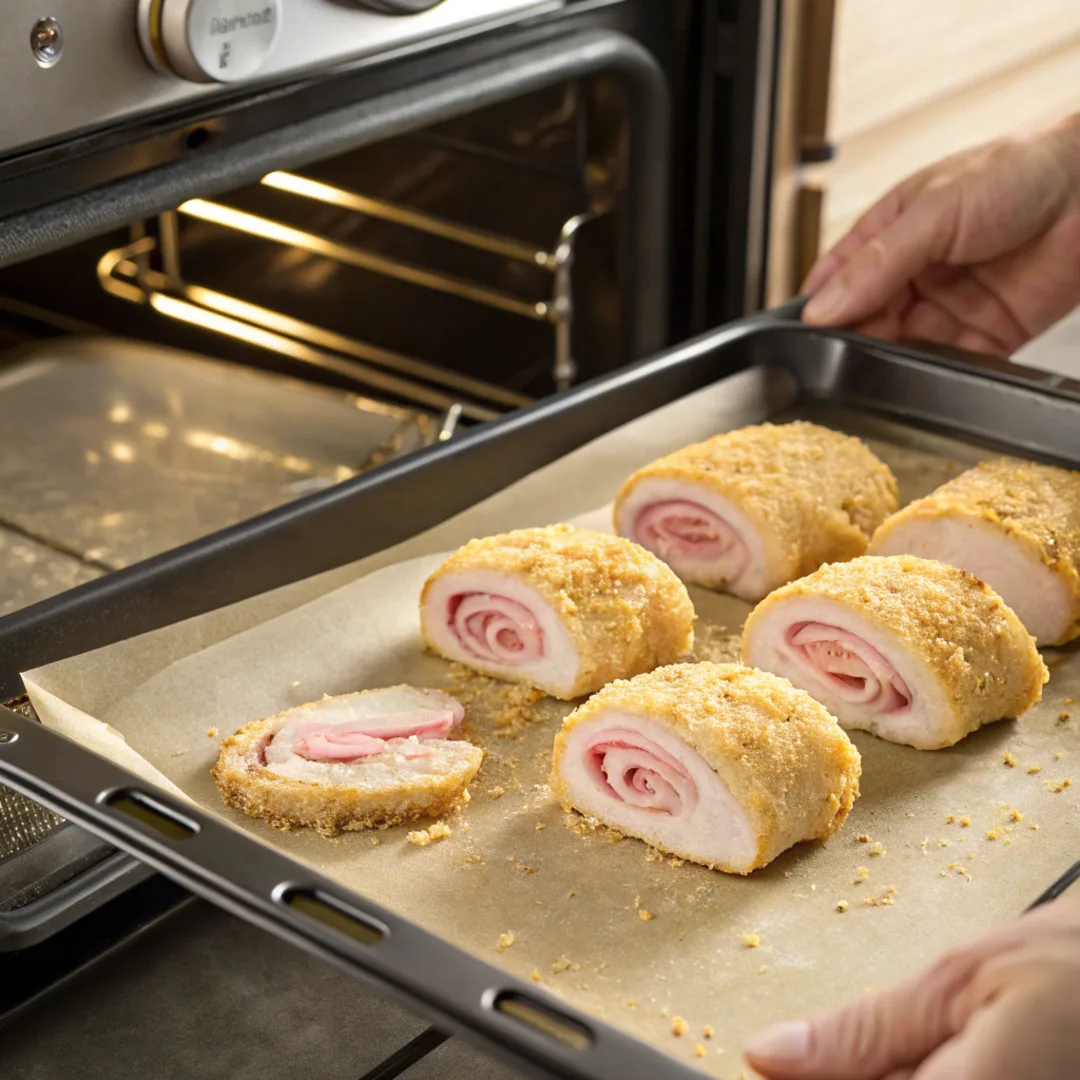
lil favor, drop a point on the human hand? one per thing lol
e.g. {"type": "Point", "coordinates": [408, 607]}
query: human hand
{"type": "Point", "coordinates": [1004, 1007]}
{"type": "Point", "coordinates": [978, 251]}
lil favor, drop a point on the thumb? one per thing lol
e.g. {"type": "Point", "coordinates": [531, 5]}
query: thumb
{"type": "Point", "coordinates": [886, 263]}
{"type": "Point", "coordinates": [874, 1036]}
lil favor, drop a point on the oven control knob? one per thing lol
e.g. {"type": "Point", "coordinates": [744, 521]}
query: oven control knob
{"type": "Point", "coordinates": [209, 40]}
{"type": "Point", "coordinates": [400, 7]}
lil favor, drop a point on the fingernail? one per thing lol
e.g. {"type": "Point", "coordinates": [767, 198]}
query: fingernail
{"type": "Point", "coordinates": [826, 305]}
{"type": "Point", "coordinates": [782, 1043]}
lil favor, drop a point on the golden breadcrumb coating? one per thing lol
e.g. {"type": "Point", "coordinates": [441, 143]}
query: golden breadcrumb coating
{"type": "Point", "coordinates": [625, 610]}
{"type": "Point", "coordinates": [286, 803]}
{"type": "Point", "coordinates": [1036, 505]}
{"type": "Point", "coordinates": [783, 756]}
{"type": "Point", "coordinates": [813, 494]}
{"type": "Point", "coordinates": [981, 655]}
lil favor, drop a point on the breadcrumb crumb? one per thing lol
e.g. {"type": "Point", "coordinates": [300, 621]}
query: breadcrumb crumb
{"type": "Point", "coordinates": [763, 969]}
{"type": "Point", "coordinates": [842, 905]}
{"type": "Point", "coordinates": [505, 941]}
{"type": "Point", "coordinates": [994, 833]}
{"type": "Point", "coordinates": [965, 821]}
{"type": "Point", "coordinates": [1059, 786]}
{"type": "Point", "coordinates": [423, 837]}
{"type": "Point", "coordinates": [679, 1027]}
{"type": "Point", "coordinates": [212, 733]}
{"type": "Point", "coordinates": [863, 838]}
{"type": "Point", "coordinates": [877, 848]}
{"type": "Point", "coordinates": [1009, 759]}
{"type": "Point", "coordinates": [1033, 770]}
{"type": "Point", "coordinates": [863, 874]}
{"type": "Point", "coordinates": [535, 975]}
{"type": "Point", "coordinates": [1015, 815]}
{"type": "Point", "coordinates": [497, 792]}
{"type": "Point", "coordinates": [561, 965]}
{"type": "Point", "coordinates": [1034, 826]}
{"type": "Point", "coordinates": [645, 916]}
{"type": "Point", "coordinates": [950, 818]}
{"type": "Point", "coordinates": [751, 941]}
{"type": "Point", "coordinates": [708, 1031]}
{"type": "Point", "coordinates": [699, 1051]}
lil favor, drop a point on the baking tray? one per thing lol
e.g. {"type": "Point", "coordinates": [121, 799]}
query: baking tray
{"type": "Point", "coordinates": [1025, 411]}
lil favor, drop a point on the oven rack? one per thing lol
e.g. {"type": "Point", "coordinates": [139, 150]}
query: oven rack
{"type": "Point", "coordinates": [148, 270]}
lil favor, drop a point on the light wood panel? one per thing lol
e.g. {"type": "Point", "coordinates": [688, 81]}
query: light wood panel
{"type": "Point", "coordinates": [893, 56]}
{"type": "Point", "coordinates": [868, 165]}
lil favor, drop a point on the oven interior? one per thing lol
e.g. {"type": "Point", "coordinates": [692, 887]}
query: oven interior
{"type": "Point", "coordinates": [238, 352]}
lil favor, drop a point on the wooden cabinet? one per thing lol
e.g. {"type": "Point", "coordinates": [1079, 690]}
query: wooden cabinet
{"type": "Point", "coordinates": [871, 90]}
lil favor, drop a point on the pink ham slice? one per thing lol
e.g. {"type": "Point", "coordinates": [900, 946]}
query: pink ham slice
{"type": "Point", "coordinates": [349, 742]}
{"type": "Point", "coordinates": [850, 666]}
{"type": "Point", "coordinates": [496, 629]}
{"type": "Point", "coordinates": [636, 770]}
{"type": "Point", "coordinates": [681, 531]}
{"type": "Point", "coordinates": [405, 721]}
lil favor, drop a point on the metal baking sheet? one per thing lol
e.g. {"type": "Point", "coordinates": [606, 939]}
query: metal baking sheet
{"type": "Point", "coordinates": [950, 840]}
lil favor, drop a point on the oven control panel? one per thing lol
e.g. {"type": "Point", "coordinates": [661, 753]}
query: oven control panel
{"type": "Point", "coordinates": [69, 66]}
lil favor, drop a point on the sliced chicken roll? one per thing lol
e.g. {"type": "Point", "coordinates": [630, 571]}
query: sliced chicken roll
{"type": "Point", "coordinates": [914, 651]}
{"type": "Point", "coordinates": [378, 757]}
{"type": "Point", "coordinates": [753, 509]}
{"type": "Point", "coordinates": [715, 763]}
{"type": "Point", "coordinates": [563, 609]}
{"type": "Point", "coordinates": [1015, 525]}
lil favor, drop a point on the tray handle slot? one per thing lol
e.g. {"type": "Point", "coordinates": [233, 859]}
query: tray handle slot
{"type": "Point", "coordinates": [332, 913]}
{"type": "Point", "coordinates": [150, 811]}
{"type": "Point", "coordinates": [542, 1019]}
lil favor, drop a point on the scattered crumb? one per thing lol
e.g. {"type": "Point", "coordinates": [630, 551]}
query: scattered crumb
{"type": "Point", "coordinates": [877, 848]}
{"type": "Point", "coordinates": [959, 869]}
{"type": "Point", "coordinates": [296, 684]}
{"type": "Point", "coordinates": [965, 821]}
{"type": "Point", "coordinates": [679, 1027]}
{"type": "Point", "coordinates": [497, 792]}
{"type": "Point", "coordinates": [1062, 717]}
{"type": "Point", "coordinates": [535, 975]}
{"type": "Point", "coordinates": [1034, 826]}
{"type": "Point", "coordinates": [505, 941]}
{"type": "Point", "coordinates": [645, 916]}
{"type": "Point", "coordinates": [863, 838]}
{"type": "Point", "coordinates": [211, 733]}
{"type": "Point", "coordinates": [708, 1031]}
{"type": "Point", "coordinates": [631, 1003]}
{"type": "Point", "coordinates": [908, 814]}
{"type": "Point", "coordinates": [945, 843]}
{"type": "Point", "coordinates": [676, 862]}
{"type": "Point", "coordinates": [1070, 701]}
{"type": "Point", "coordinates": [1015, 815]}
{"type": "Point", "coordinates": [664, 1012]}
{"type": "Point", "coordinates": [422, 837]}
{"type": "Point", "coordinates": [1058, 756]}
{"type": "Point", "coordinates": [561, 965]}
{"type": "Point", "coordinates": [1058, 786]}
{"type": "Point", "coordinates": [863, 874]}
{"type": "Point", "coordinates": [179, 753]}
{"type": "Point", "coordinates": [526, 869]}
{"type": "Point", "coordinates": [751, 941]}
{"type": "Point", "coordinates": [540, 825]}
{"type": "Point", "coordinates": [476, 857]}
{"type": "Point", "coordinates": [699, 1051]}
{"type": "Point", "coordinates": [994, 833]}
{"type": "Point", "coordinates": [571, 893]}
{"type": "Point", "coordinates": [923, 845]}
{"type": "Point", "coordinates": [886, 899]}
{"type": "Point", "coordinates": [376, 841]}
{"type": "Point", "coordinates": [842, 905]}
{"type": "Point", "coordinates": [1033, 770]}
{"type": "Point", "coordinates": [1009, 759]}
{"type": "Point", "coordinates": [950, 818]}
{"type": "Point", "coordinates": [764, 968]}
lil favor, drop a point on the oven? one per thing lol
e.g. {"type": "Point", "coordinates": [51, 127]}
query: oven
{"type": "Point", "coordinates": [255, 254]}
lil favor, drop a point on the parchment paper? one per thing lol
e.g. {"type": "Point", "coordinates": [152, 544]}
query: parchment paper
{"type": "Point", "coordinates": [946, 853]}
